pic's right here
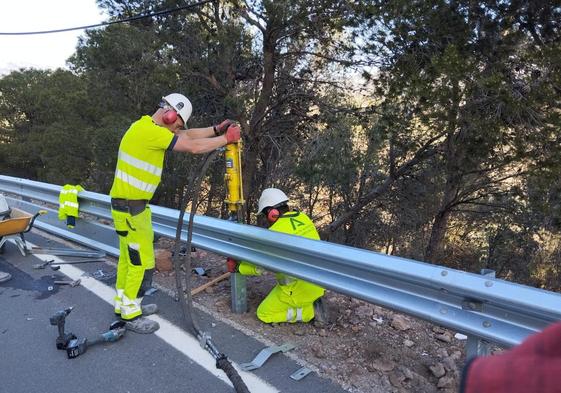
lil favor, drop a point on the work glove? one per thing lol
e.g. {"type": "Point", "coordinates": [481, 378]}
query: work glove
{"type": "Point", "coordinates": [231, 265]}
{"type": "Point", "coordinates": [233, 133]}
{"type": "Point", "coordinates": [221, 128]}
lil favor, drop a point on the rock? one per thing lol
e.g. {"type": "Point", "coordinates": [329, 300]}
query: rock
{"type": "Point", "coordinates": [373, 349]}
{"type": "Point", "coordinates": [450, 364]}
{"type": "Point", "coordinates": [319, 351]}
{"type": "Point", "coordinates": [399, 322]}
{"type": "Point", "coordinates": [445, 382]}
{"type": "Point", "coordinates": [380, 365]}
{"type": "Point", "coordinates": [408, 343]}
{"type": "Point", "coordinates": [379, 310]}
{"type": "Point", "coordinates": [460, 336]}
{"type": "Point", "coordinates": [299, 332]}
{"type": "Point", "coordinates": [438, 330]}
{"type": "Point", "coordinates": [364, 311]}
{"type": "Point", "coordinates": [444, 337]}
{"type": "Point", "coordinates": [407, 373]}
{"type": "Point", "coordinates": [163, 260]}
{"type": "Point", "coordinates": [396, 378]}
{"type": "Point", "coordinates": [322, 333]}
{"type": "Point", "coordinates": [438, 370]}
{"type": "Point", "coordinates": [456, 355]}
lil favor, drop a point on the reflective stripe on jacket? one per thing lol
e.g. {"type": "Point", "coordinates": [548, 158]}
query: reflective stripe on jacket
{"type": "Point", "coordinates": [68, 201]}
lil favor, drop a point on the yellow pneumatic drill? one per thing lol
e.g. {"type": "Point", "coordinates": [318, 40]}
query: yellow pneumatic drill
{"type": "Point", "coordinates": [234, 182]}
{"type": "Point", "coordinates": [235, 201]}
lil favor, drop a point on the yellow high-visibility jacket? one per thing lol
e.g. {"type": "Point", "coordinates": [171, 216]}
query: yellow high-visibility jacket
{"type": "Point", "coordinates": [68, 203]}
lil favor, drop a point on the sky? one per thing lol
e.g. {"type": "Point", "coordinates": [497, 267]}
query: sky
{"type": "Point", "coordinates": [47, 51]}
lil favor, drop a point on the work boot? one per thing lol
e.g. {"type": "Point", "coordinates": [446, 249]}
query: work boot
{"type": "Point", "coordinates": [5, 276]}
{"type": "Point", "coordinates": [142, 325]}
{"type": "Point", "coordinates": [321, 316]}
{"type": "Point", "coordinates": [149, 309]}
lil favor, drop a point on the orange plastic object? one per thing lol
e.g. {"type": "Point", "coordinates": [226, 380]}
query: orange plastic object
{"type": "Point", "coordinates": [18, 222]}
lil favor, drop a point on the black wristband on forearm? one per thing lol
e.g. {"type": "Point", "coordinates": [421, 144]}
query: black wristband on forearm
{"type": "Point", "coordinates": [216, 133]}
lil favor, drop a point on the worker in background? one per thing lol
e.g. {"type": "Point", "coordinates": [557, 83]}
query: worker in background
{"type": "Point", "coordinates": [138, 174]}
{"type": "Point", "coordinates": [292, 299]}
{"type": "Point", "coordinates": [533, 366]}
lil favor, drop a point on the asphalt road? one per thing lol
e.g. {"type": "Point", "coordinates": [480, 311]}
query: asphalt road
{"type": "Point", "coordinates": [169, 361]}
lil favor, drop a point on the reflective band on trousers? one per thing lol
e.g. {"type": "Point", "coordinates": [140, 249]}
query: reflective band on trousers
{"type": "Point", "coordinates": [139, 164]}
{"type": "Point", "coordinates": [134, 182]}
{"type": "Point", "coordinates": [289, 314]}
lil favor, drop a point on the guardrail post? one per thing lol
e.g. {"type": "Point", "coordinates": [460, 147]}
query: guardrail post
{"type": "Point", "coordinates": [238, 293]}
{"type": "Point", "coordinates": [476, 346]}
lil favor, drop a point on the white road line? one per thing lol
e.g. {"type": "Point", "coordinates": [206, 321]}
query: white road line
{"type": "Point", "coordinates": [170, 333]}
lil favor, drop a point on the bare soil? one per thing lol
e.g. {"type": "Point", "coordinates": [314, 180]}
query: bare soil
{"type": "Point", "coordinates": [363, 347]}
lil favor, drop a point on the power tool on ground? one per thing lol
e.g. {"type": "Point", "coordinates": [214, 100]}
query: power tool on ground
{"type": "Point", "coordinates": [75, 346]}
{"type": "Point", "coordinates": [79, 346]}
{"type": "Point", "coordinates": [59, 320]}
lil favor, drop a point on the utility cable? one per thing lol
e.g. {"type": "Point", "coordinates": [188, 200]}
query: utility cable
{"type": "Point", "coordinates": [131, 19]}
{"type": "Point", "coordinates": [184, 291]}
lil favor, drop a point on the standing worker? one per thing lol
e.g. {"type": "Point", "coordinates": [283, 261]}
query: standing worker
{"type": "Point", "coordinates": [291, 300]}
{"type": "Point", "coordinates": [138, 173]}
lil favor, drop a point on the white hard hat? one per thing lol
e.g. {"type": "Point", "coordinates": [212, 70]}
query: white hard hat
{"type": "Point", "coordinates": [271, 197]}
{"type": "Point", "coordinates": [181, 104]}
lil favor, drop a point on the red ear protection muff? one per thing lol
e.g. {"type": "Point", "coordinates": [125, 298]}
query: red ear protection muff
{"type": "Point", "coordinates": [273, 215]}
{"type": "Point", "coordinates": [170, 116]}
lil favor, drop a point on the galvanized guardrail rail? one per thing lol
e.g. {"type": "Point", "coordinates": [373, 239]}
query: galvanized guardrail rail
{"type": "Point", "coordinates": [486, 309]}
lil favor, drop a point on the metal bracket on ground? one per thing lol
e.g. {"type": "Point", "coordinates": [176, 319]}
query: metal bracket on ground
{"type": "Point", "coordinates": [300, 373]}
{"type": "Point", "coordinates": [67, 252]}
{"type": "Point", "coordinates": [264, 355]}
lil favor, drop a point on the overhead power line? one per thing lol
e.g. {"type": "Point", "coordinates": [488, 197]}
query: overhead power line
{"type": "Point", "coordinates": [133, 18]}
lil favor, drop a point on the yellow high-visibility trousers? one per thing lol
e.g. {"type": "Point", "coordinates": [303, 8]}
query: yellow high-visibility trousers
{"type": "Point", "coordinates": [290, 303]}
{"type": "Point", "coordinates": [136, 260]}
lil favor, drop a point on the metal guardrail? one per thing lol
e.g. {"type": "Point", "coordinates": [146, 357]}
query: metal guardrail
{"type": "Point", "coordinates": [483, 307]}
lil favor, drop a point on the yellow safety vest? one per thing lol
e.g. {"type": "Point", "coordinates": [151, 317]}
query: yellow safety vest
{"type": "Point", "coordinates": [292, 223]}
{"type": "Point", "coordinates": [68, 202]}
{"type": "Point", "coordinates": [141, 160]}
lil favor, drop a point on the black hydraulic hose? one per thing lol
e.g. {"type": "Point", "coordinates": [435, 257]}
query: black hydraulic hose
{"type": "Point", "coordinates": [184, 291]}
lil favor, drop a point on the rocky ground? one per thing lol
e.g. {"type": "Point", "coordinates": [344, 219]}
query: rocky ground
{"type": "Point", "coordinates": [363, 348]}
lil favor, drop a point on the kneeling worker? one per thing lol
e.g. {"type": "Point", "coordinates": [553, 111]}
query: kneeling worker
{"type": "Point", "coordinates": [292, 299]}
